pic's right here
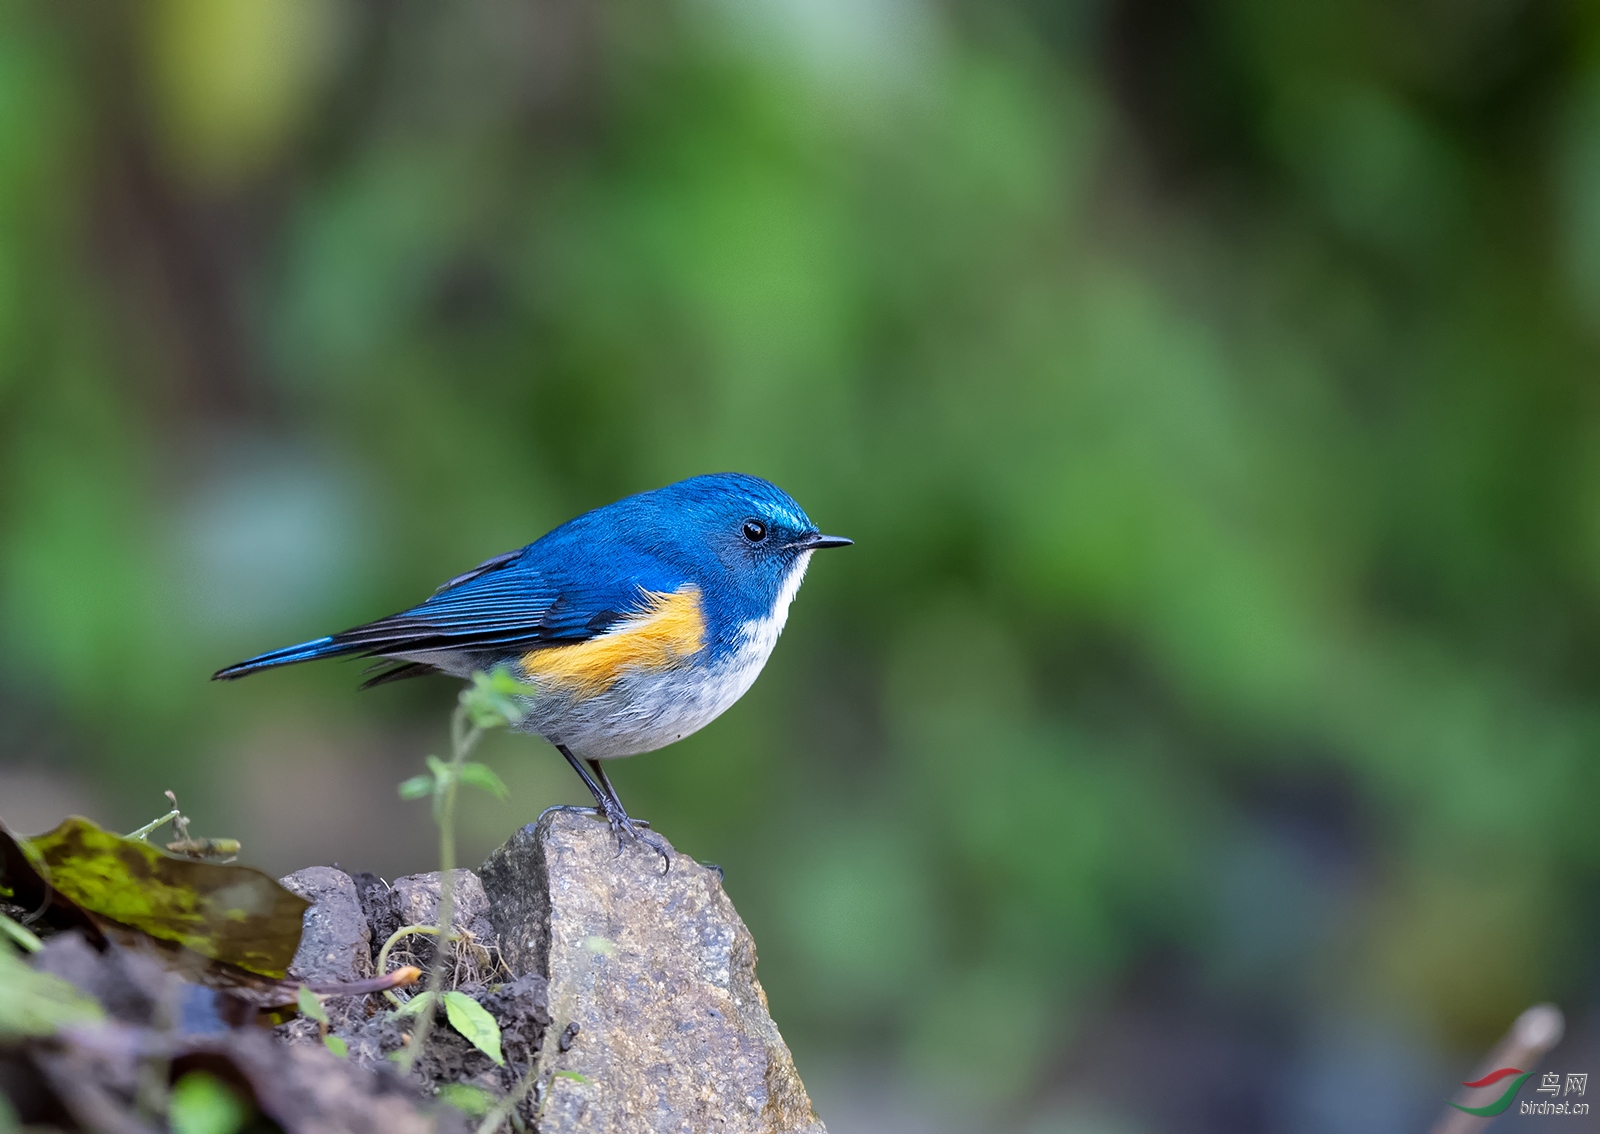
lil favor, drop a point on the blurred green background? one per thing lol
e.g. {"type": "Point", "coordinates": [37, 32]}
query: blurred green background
{"type": "Point", "coordinates": [1202, 734]}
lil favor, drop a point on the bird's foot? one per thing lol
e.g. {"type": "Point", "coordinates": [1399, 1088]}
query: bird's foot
{"type": "Point", "coordinates": [624, 828]}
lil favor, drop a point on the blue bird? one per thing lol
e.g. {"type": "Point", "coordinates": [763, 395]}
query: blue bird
{"type": "Point", "coordinates": [636, 624]}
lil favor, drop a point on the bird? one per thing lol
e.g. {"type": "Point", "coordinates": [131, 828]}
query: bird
{"type": "Point", "coordinates": [634, 625]}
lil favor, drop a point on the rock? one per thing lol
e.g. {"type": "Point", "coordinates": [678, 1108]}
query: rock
{"type": "Point", "coordinates": [522, 1009]}
{"type": "Point", "coordinates": [335, 943]}
{"type": "Point", "coordinates": [658, 973]}
{"type": "Point", "coordinates": [414, 900]}
{"type": "Point", "coordinates": [520, 911]}
{"type": "Point", "coordinates": [377, 904]}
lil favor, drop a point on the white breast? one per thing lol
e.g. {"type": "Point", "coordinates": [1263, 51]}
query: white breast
{"type": "Point", "coordinates": [644, 711]}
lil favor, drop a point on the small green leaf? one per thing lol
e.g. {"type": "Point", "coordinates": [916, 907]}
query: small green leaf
{"type": "Point", "coordinates": [201, 1104]}
{"type": "Point", "coordinates": [502, 680]}
{"type": "Point", "coordinates": [482, 776]}
{"type": "Point", "coordinates": [469, 1018]}
{"type": "Point", "coordinates": [575, 1076]}
{"type": "Point", "coordinates": [337, 1046]}
{"type": "Point", "coordinates": [491, 701]}
{"type": "Point", "coordinates": [417, 787]}
{"type": "Point", "coordinates": [416, 1004]}
{"type": "Point", "coordinates": [443, 776]}
{"type": "Point", "coordinates": [311, 1007]}
{"type": "Point", "coordinates": [20, 934]}
{"type": "Point", "coordinates": [34, 1003]}
{"type": "Point", "coordinates": [472, 1100]}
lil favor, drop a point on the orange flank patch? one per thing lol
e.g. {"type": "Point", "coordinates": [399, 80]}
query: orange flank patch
{"type": "Point", "coordinates": [664, 632]}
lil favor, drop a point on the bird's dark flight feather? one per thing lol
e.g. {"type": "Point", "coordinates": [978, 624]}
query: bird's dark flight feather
{"type": "Point", "coordinates": [395, 673]}
{"type": "Point", "coordinates": [502, 604]}
{"type": "Point", "coordinates": [493, 563]}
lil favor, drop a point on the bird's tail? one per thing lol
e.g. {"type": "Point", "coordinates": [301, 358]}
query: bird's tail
{"type": "Point", "coordinates": [306, 651]}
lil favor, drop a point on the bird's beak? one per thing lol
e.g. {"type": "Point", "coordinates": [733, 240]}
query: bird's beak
{"type": "Point", "coordinates": [816, 541]}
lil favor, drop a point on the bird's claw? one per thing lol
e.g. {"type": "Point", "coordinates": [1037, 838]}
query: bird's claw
{"type": "Point", "coordinates": [624, 828]}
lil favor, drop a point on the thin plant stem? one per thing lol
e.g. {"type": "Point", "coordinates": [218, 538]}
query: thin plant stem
{"type": "Point", "coordinates": [464, 737]}
{"type": "Point", "coordinates": [20, 935]}
{"type": "Point", "coordinates": [383, 954]}
{"type": "Point", "coordinates": [151, 826]}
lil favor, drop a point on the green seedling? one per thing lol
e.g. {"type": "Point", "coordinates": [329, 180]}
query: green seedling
{"type": "Point", "coordinates": [416, 1005]}
{"type": "Point", "coordinates": [311, 1008]}
{"type": "Point", "coordinates": [20, 935]}
{"type": "Point", "coordinates": [466, 1016]}
{"type": "Point", "coordinates": [470, 1018]}
{"type": "Point", "coordinates": [492, 700]}
{"type": "Point", "coordinates": [34, 1003]}
{"type": "Point", "coordinates": [470, 1100]}
{"type": "Point", "coordinates": [200, 1104]}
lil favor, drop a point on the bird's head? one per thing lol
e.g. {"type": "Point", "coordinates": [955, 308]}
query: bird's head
{"type": "Point", "coordinates": [749, 532]}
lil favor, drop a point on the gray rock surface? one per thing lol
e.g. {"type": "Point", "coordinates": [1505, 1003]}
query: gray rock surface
{"type": "Point", "coordinates": [376, 903]}
{"type": "Point", "coordinates": [414, 900]}
{"type": "Point", "coordinates": [335, 943]}
{"type": "Point", "coordinates": [651, 984]}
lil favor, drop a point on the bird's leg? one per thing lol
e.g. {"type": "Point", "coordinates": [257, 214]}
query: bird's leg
{"type": "Point", "coordinates": [606, 800]}
{"type": "Point", "coordinates": [610, 806]}
{"type": "Point", "coordinates": [647, 837]}
{"type": "Point", "coordinates": [599, 771]}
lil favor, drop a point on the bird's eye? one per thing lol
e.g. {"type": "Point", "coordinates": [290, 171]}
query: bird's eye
{"type": "Point", "coordinates": [755, 531]}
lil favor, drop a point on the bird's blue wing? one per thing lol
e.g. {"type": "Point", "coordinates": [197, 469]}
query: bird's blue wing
{"type": "Point", "coordinates": [514, 600]}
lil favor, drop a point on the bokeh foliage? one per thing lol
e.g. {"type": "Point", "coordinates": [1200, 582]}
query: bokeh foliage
{"type": "Point", "coordinates": [1208, 386]}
